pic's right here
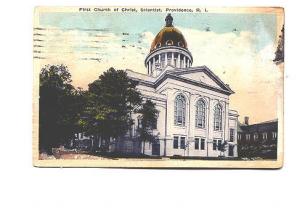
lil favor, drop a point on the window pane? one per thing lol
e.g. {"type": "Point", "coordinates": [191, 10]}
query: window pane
{"type": "Point", "coordinates": [214, 144]}
{"type": "Point", "coordinates": [179, 119]}
{"type": "Point", "coordinates": [230, 153]}
{"type": "Point", "coordinates": [179, 111]}
{"type": "Point", "coordinates": [200, 114]}
{"type": "Point", "coordinates": [231, 135]}
{"type": "Point", "coordinates": [218, 118]}
{"type": "Point", "coordinates": [182, 143]}
{"type": "Point", "coordinates": [175, 143]}
{"type": "Point", "coordinates": [202, 144]}
{"type": "Point", "coordinates": [219, 144]}
{"type": "Point", "coordinates": [197, 143]}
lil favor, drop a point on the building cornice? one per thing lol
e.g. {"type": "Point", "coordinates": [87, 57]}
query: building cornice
{"type": "Point", "coordinates": [175, 74]}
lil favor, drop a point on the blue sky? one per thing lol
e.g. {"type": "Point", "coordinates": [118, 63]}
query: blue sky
{"type": "Point", "coordinates": [136, 23]}
{"type": "Point", "coordinates": [91, 42]}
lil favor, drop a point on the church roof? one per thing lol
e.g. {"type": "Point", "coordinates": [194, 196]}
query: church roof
{"type": "Point", "coordinates": [178, 74]}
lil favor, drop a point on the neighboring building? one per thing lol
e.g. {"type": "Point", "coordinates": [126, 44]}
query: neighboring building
{"type": "Point", "coordinates": [193, 103]}
{"type": "Point", "coordinates": [258, 140]}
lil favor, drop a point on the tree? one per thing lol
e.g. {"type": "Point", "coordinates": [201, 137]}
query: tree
{"type": "Point", "coordinates": [279, 53]}
{"type": "Point", "coordinates": [60, 105]}
{"type": "Point", "coordinates": [149, 115]}
{"type": "Point", "coordinates": [110, 101]}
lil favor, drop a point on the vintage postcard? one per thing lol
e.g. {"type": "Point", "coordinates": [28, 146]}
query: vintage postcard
{"type": "Point", "coordinates": [158, 87]}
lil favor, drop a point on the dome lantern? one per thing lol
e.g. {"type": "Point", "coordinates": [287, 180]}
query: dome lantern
{"type": "Point", "coordinates": [169, 20]}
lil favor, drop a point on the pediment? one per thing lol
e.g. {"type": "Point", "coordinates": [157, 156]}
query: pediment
{"type": "Point", "coordinates": [199, 76]}
{"type": "Point", "coordinates": [202, 77]}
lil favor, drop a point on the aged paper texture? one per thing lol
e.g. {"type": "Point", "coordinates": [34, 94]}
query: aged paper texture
{"type": "Point", "coordinates": [158, 87]}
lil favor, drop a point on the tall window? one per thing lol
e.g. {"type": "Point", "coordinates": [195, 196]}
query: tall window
{"type": "Point", "coordinates": [214, 144]}
{"type": "Point", "coordinates": [231, 135]}
{"type": "Point", "coordinates": [200, 114]}
{"type": "Point", "coordinates": [202, 144]}
{"type": "Point", "coordinates": [196, 143]}
{"type": "Point", "coordinates": [182, 142]}
{"type": "Point", "coordinates": [230, 151]}
{"type": "Point", "coordinates": [218, 118]}
{"type": "Point", "coordinates": [175, 142]}
{"type": "Point", "coordinates": [179, 118]}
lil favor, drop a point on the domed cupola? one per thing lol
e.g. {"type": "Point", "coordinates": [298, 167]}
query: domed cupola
{"type": "Point", "coordinates": [169, 47]}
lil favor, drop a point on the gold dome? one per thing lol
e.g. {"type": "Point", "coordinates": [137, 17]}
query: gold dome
{"type": "Point", "coordinates": [168, 36]}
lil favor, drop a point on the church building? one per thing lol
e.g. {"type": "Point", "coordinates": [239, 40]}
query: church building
{"type": "Point", "coordinates": [194, 117]}
{"type": "Point", "coordinates": [193, 103]}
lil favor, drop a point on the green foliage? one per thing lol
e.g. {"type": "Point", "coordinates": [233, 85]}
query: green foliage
{"type": "Point", "coordinates": [279, 53]}
{"type": "Point", "coordinates": [149, 115]}
{"type": "Point", "coordinates": [102, 111]}
{"type": "Point", "coordinates": [60, 105]}
{"type": "Point", "coordinates": [110, 101]}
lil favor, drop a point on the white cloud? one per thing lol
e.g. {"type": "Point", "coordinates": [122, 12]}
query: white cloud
{"type": "Point", "coordinates": [250, 73]}
{"type": "Point", "coordinates": [87, 54]}
{"type": "Point", "coordinates": [147, 37]}
{"type": "Point", "coordinates": [232, 56]}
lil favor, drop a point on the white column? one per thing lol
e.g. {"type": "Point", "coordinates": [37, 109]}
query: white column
{"type": "Point", "coordinates": [209, 127]}
{"type": "Point", "coordinates": [159, 59]}
{"type": "Point", "coordinates": [184, 62]}
{"type": "Point", "coordinates": [148, 67]}
{"type": "Point", "coordinates": [178, 59]}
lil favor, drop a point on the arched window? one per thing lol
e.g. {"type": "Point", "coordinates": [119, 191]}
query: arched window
{"type": "Point", "coordinates": [179, 110]}
{"type": "Point", "coordinates": [200, 114]}
{"type": "Point", "coordinates": [169, 42]}
{"type": "Point", "coordinates": [218, 118]}
{"type": "Point", "coordinates": [180, 44]}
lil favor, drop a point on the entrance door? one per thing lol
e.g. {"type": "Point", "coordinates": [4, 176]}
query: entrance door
{"type": "Point", "coordinates": [155, 149]}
